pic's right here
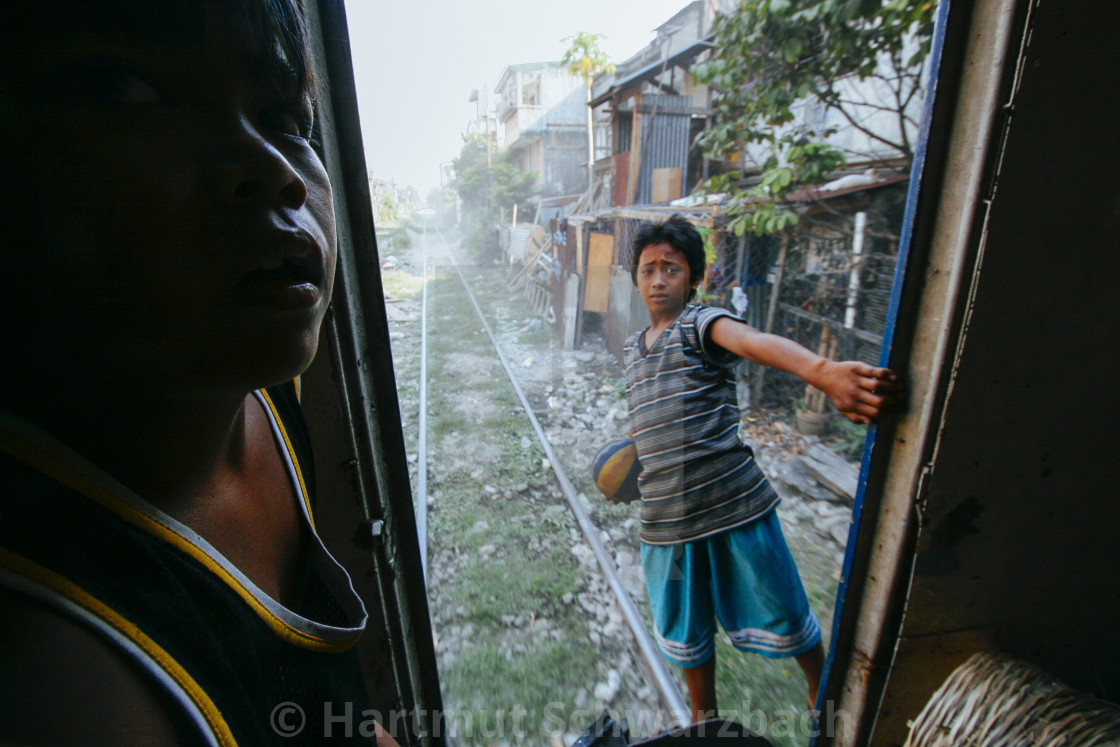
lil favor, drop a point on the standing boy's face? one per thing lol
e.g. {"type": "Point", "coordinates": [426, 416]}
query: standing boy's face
{"type": "Point", "coordinates": [169, 218]}
{"type": "Point", "coordinates": [663, 280]}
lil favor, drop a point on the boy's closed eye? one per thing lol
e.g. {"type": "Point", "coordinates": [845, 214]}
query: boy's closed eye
{"type": "Point", "coordinates": [294, 122]}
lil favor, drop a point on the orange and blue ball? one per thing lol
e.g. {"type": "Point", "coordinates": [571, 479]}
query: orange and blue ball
{"type": "Point", "coordinates": [616, 469]}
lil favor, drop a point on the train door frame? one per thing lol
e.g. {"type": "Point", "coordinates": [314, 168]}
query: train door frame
{"type": "Point", "coordinates": [954, 528]}
{"type": "Point", "coordinates": [365, 511]}
{"type": "Point", "coordinates": [930, 283]}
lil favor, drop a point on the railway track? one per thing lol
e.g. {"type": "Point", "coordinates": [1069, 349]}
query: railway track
{"type": "Point", "coordinates": [444, 282]}
{"type": "Point", "coordinates": [651, 659]}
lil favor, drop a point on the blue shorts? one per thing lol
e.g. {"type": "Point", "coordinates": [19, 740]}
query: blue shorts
{"type": "Point", "coordinates": [744, 577]}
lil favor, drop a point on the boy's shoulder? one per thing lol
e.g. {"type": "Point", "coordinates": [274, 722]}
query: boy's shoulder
{"type": "Point", "coordinates": [690, 325]}
{"type": "Point", "coordinates": [49, 665]}
{"type": "Point", "coordinates": [696, 318]}
{"type": "Point", "coordinates": [699, 310]}
{"type": "Point", "coordinates": [695, 322]}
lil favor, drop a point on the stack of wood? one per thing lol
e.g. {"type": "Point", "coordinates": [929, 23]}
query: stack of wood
{"type": "Point", "coordinates": [815, 399]}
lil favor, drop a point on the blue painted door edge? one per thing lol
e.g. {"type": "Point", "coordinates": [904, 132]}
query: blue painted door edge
{"type": "Point", "coordinates": [917, 170]}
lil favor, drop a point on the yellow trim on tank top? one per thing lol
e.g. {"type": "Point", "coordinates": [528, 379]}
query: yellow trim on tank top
{"type": "Point", "coordinates": [291, 455]}
{"type": "Point", "coordinates": [37, 573]}
{"type": "Point", "coordinates": [70, 476]}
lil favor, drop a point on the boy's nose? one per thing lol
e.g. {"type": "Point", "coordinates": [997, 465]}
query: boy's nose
{"type": "Point", "coordinates": [252, 169]}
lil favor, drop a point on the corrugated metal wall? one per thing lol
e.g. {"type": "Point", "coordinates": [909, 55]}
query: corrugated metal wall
{"type": "Point", "coordinates": [620, 172]}
{"type": "Point", "coordinates": [665, 136]}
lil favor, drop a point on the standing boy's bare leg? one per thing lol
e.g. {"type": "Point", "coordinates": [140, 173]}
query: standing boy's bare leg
{"type": "Point", "coordinates": [812, 664]}
{"type": "Point", "coordinates": [701, 683]}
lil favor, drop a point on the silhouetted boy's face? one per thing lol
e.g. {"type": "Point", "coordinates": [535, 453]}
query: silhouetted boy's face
{"type": "Point", "coordinates": [169, 218]}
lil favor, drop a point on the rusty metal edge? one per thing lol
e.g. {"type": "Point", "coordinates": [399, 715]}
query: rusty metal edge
{"type": "Point", "coordinates": [931, 287]}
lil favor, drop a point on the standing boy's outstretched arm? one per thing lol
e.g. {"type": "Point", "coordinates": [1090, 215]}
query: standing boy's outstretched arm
{"type": "Point", "coordinates": [859, 391]}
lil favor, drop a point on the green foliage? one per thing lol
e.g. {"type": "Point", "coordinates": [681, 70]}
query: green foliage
{"type": "Point", "coordinates": [770, 56]}
{"type": "Point", "coordinates": [488, 191]}
{"type": "Point", "coordinates": [385, 210]}
{"type": "Point", "coordinates": [393, 204]}
{"type": "Point", "coordinates": [849, 439]}
{"type": "Point", "coordinates": [710, 236]}
{"type": "Point", "coordinates": [584, 57]}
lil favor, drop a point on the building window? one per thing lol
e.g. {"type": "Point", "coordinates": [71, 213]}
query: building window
{"type": "Point", "coordinates": [531, 92]}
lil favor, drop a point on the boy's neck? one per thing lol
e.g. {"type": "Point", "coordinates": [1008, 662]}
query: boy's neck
{"type": "Point", "coordinates": [161, 444]}
{"type": "Point", "coordinates": [658, 323]}
{"type": "Point", "coordinates": [666, 317]}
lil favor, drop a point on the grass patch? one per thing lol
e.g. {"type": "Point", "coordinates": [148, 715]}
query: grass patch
{"type": "Point", "coordinates": [401, 283]}
{"type": "Point", "coordinates": [516, 586]}
{"type": "Point", "coordinates": [511, 686]}
{"type": "Point", "coordinates": [752, 689]}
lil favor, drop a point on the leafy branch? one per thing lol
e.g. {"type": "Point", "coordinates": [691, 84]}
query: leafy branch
{"type": "Point", "coordinates": [773, 60]}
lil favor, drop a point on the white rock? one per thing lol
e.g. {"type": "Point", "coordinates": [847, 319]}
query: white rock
{"type": "Point", "coordinates": [604, 692]}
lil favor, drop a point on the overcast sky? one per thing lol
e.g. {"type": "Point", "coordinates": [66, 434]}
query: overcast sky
{"type": "Point", "coordinates": [416, 62]}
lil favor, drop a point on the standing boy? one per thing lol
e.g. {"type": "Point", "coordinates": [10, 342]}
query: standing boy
{"type": "Point", "coordinates": [712, 546]}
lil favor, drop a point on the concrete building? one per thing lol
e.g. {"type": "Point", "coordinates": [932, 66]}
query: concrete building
{"type": "Point", "coordinates": [541, 109]}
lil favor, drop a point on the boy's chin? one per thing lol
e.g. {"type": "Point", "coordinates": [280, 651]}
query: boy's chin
{"type": "Point", "coordinates": [261, 367]}
{"type": "Point", "coordinates": [287, 369]}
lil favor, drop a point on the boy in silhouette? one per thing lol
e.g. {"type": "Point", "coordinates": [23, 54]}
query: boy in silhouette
{"type": "Point", "coordinates": [170, 252]}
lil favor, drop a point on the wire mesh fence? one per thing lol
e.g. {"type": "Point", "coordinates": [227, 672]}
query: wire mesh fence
{"type": "Point", "coordinates": [625, 228]}
{"type": "Point", "coordinates": [825, 285]}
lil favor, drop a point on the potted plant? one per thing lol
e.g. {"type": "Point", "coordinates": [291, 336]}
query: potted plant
{"type": "Point", "coordinates": [810, 421]}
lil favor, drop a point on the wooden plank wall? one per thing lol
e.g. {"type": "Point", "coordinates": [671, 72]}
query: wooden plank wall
{"type": "Point", "coordinates": [599, 254]}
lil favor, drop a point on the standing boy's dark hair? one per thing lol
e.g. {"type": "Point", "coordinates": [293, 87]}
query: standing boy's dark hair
{"type": "Point", "coordinates": [678, 233]}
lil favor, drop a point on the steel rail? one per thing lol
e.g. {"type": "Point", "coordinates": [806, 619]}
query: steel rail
{"type": "Point", "coordinates": [422, 419]}
{"type": "Point", "coordinates": [670, 694]}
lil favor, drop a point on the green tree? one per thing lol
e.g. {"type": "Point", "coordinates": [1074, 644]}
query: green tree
{"type": "Point", "coordinates": [585, 59]}
{"type": "Point", "coordinates": [772, 57]}
{"type": "Point", "coordinates": [488, 192]}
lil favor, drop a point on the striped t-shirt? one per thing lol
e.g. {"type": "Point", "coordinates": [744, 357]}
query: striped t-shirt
{"type": "Point", "coordinates": [697, 478]}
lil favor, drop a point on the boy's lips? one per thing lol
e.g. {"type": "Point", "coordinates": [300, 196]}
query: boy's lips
{"type": "Point", "coordinates": [289, 272]}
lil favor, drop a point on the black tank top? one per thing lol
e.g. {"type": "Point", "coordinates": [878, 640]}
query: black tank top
{"type": "Point", "coordinates": [242, 667]}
